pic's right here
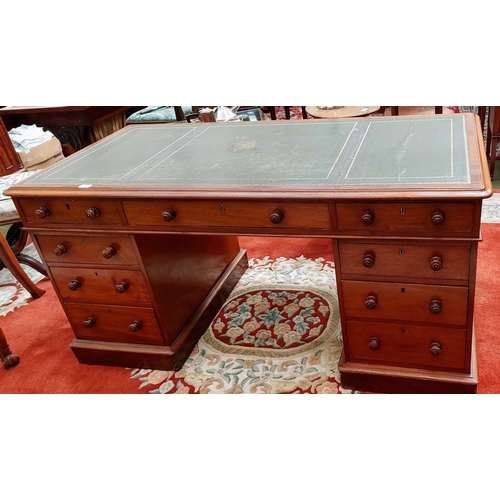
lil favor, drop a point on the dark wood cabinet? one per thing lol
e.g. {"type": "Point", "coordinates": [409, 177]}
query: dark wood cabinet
{"type": "Point", "coordinates": [9, 159]}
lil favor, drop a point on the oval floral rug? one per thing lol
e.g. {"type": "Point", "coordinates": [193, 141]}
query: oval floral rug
{"type": "Point", "coordinates": [278, 332]}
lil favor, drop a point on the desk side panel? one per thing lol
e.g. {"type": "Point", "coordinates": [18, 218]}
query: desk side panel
{"type": "Point", "coordinates": [182, 271]}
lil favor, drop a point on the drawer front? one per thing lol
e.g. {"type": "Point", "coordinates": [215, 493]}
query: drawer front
{"type": "Point", "coordinates": [100, 285]}
{"type": "Point", "coordinates": [229, 214]}
{"type": "Point", "coordinates": [443, 305]}
{"type": "Point", "coordinates": [433, 217]}
{"type": "Point", "coordinates": [114, 323]}
{"type": "Point", "coordinates": [108, 250]}
{"type": "Point", "coordinates": [413, 261]}
{"type": "Point", "coordinates": [65, 211]}
{"type": "Point", "coordinates": [407, 345]}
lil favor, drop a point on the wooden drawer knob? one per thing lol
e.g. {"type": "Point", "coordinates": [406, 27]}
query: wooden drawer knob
{"type": "Point", "coordinates": [59, 250]}
{"type": "Point", "coordinates": [435, 348]}
{"type": "Point", "coordinates": [277, 216]}
{"type": "Point", "coordinates": [437, 218]}
{"type": "Point", "coordinates": [368, 259]}
{"type": "Point", "coordinates": [135, 326]}
{"type": "Point", "coordinates": [169, 215]}
{"type": "Point", "coordinates": [436, 306]}
{"type": "Point", "coordinates": [89, 322]}
{"type": "Point", "coordinates": [436, 263]}
{"type": "Point", "coordinates": [368, 217]}
{"type": "Point", "coordinates": [92, 213]}
{"type": "Point", "coordinates": [374, 343]}
{"type": "Point", "coordinates": [121, 287]}
{"type": "Point", "coordinates": [108, 252]}
{"type": "Point", "coordinates": [42, 212]}
{"type": "Point", "coordinates": [371, 301]}
{"type": "Point", "coordinates": [74, 285]}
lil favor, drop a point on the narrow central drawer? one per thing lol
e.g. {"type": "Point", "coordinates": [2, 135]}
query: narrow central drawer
{"type": "Point", "coordinates": [443, 305]}
{"type": "Point", "coordinates": [108, 250]}
{"type": "Point", "coordinates": [172, 213]}
{"type": "Point", "coordinates": [115, 286]}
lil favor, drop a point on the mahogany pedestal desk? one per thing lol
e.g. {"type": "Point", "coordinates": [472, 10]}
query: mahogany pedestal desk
{"type": "Point", "coordinates": [139, 233]}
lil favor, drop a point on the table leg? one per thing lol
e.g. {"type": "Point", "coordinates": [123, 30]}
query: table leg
{"type": "Point", "coordinates": [9, 360]}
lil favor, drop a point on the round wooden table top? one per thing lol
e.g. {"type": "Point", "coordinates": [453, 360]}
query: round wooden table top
{"type": "Point", "coordinates": [343, 112]}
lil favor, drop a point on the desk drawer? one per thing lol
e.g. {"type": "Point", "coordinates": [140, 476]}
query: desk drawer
{"type": "Point", "coordinates": [114, 323]}
{"type": "Point", "coordinates": [228, 214]}
{"type": "Point", "coordinates": [115, 286]}
{"type": "Point", "coordinates": [431, 217]}
{"type": "Point", "coordinates": [66, 211]}
{"type": "Point", "coordinates": [110, 250]}
{"type": "Point", "coordinates": [443, 305]}
{"type": "Point", "coordinates": [437, 262]}
{"type": "Point", "coordinates": [407, 345]}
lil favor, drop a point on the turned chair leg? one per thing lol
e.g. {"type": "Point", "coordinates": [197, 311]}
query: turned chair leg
{"type": "Point", "coordinates": [9, 360]}
{"type": "Point", "coordinates": [12, 264]}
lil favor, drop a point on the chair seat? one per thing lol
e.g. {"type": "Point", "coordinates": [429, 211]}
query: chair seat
{"type": "Point", "coordinates": [8, 211]}
{"type": "Point", "coordinates": [12, 245]}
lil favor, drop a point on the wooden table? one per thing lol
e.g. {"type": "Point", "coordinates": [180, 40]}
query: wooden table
{"type": "Point", "coordinates": [77, 126]}
{"type": "Point", "coordinates": [139, 235]}
{"type": "Point", "coordinates": [343, 112]}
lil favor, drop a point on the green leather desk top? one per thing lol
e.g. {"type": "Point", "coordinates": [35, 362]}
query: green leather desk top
{"type": "Point", "coordinates": [373, 153]}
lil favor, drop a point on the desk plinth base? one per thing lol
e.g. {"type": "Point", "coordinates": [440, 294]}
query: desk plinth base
{"type": "Point", "coordinates": [385, 379]}
{"type": "Point", "coordinates": [95, 352]}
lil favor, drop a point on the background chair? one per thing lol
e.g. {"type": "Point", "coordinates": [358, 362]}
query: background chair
{"type": "Point", "coordinates": [492, 135]}
{"type": "Point", "coordinates": [272, 111]}
{"type": "Point", "coordinates": [395, 110]}
{"type": "Point", "coordinates": [9, 159]}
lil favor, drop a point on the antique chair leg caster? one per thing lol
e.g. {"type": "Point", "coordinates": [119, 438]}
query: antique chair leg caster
{"type": "Point", "coordinates": [9, 360]}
